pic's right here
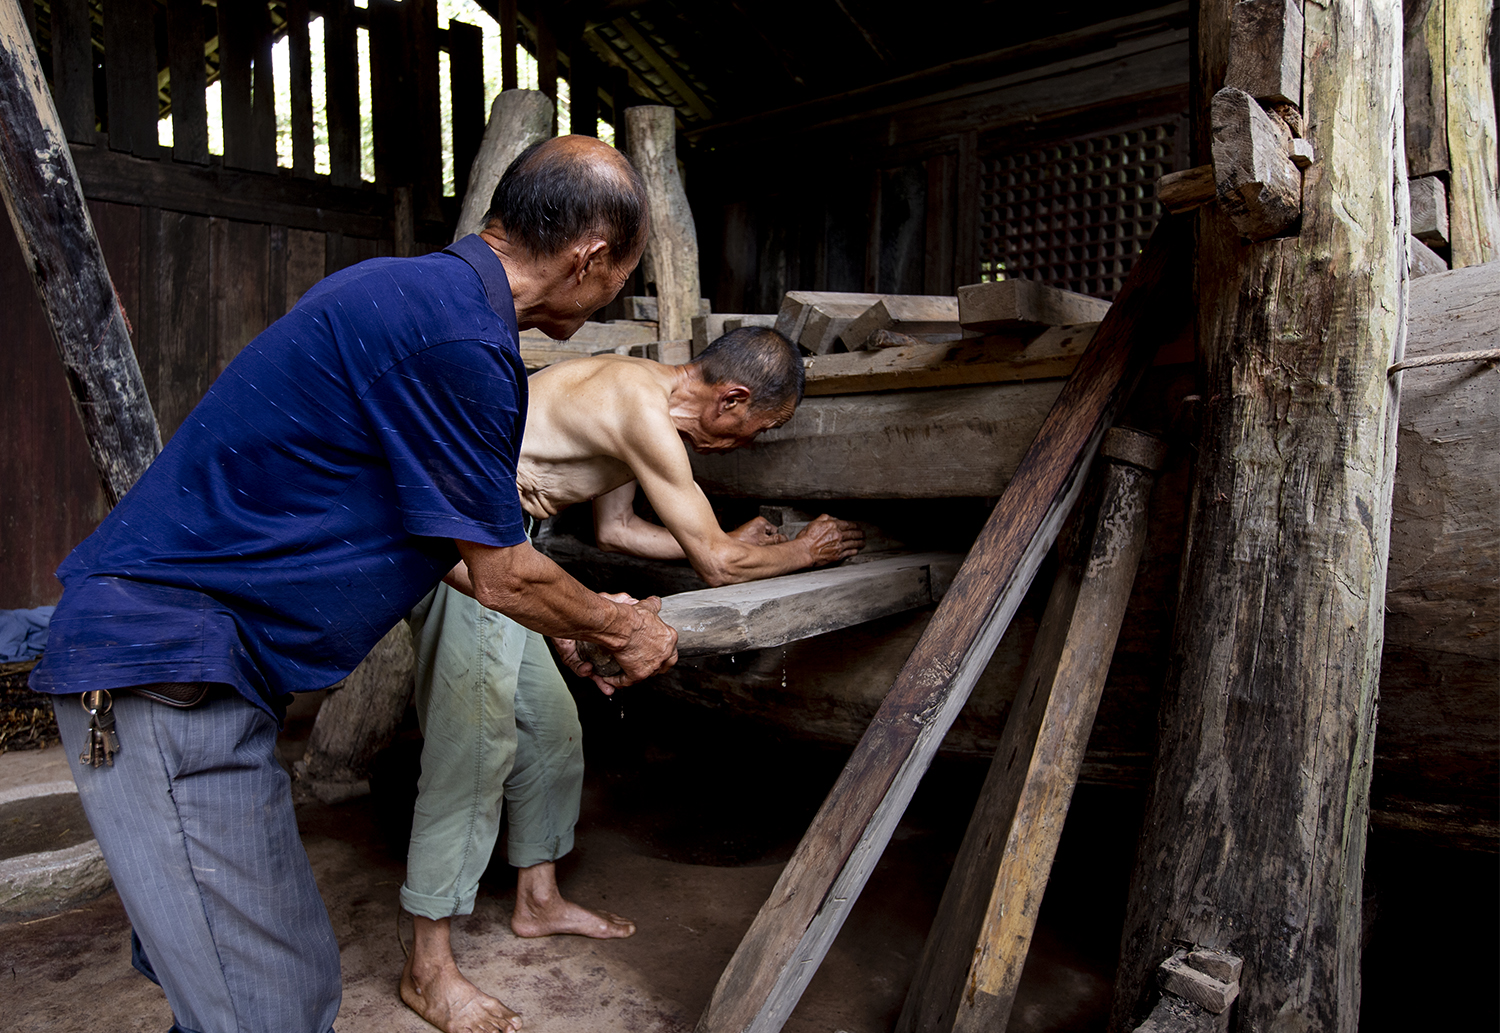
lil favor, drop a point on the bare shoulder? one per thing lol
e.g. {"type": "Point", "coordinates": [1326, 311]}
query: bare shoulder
{"type": "Point", "coordinates": [603, 398]}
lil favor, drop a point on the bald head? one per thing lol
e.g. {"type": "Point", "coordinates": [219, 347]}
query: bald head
{"type": "Point", "coordinates": [562, 190]}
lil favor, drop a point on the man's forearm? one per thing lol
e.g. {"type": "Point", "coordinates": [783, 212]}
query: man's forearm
{"type": "Point", "coordinates": [538, 594]}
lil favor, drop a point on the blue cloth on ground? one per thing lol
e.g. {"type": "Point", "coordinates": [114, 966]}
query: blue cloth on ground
{"type": "Point", "coordinates": [23, 633]}
{"type": "Point", "coordinates": [312, 497]}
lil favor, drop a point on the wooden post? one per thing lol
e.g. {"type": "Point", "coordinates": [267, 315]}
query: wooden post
{"type": "Point", "coordinates": [673, 242]}
{"type": "Point", "coordinates": [300, 88]}
{"type": "Point", "coordinates": [341, 59]}
{"type": "Point", "coordinates": [45, 201]}
{"type": "Point", "coordinates": [971, 965]}
{"type": "Point", "coordinates": [1474, 185]}
{"type": "Point", "coordinates": [518, 119]}
{"type": "Point", "coordinates": [797, 924]}
{"type": "Point", "coordinates": [466, 78]}
{"type": "Point", "coordinates": [1254, 835]}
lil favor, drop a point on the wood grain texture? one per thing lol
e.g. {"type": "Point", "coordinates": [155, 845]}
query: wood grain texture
{"type": "Point", "coordinates": [130, 76]}
{"type": "Point", "coordinates": [189, 80]}
{"type": "Point", "coordinates": [299, 89]}
{"type": "Point", "coordinates": [47, 209]}
{"type": "Point", "coordinates": [672, 244]}
{"type": "Point", "coordinates": [1473, 180]}
{"type": "Point", "coordinates": [1258, 186]}
{"type": "Point", "coordinates": [794, 928]}
{"type": "Point", "coordinates": [971, 964]}
{"type": "Point", "coordinates": [1009, 306]}
{"type": "Point", "coordinates": [1183, 191]}
{"type": "Point", "coordinates": [1429, 211]}
{"type": "Point", "coordinates": [73, 68]}
{"type": "Point", "coordinates": [341, 61]}
{"type": "Point", "coordinates": [1255, 824]}
{"type": "Point", "coordinates": [1426, 87]}
{"type": "Point", "coordinates": [913, 314]}
{"type": "Point", "coordinates": [466, 87]}
{"type": "Point", "coordinates": [1265, 50]}
{"type": "Point", "coordinates": [518, 119]}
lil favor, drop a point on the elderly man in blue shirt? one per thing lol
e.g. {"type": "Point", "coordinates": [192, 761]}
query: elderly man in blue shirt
{"type": "Point", "coordinates": [341, 466]}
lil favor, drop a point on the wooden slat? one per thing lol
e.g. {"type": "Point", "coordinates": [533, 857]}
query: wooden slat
{"type": "Point", "coordinates": [421, 46]}
{"type": "Point", "coordinates": [971, 964]}
{"type": "Point", "coordinates": [390, 95]}
{"type": "Point", "coordinates": [73, 68]}
{"type": "Point", "coordinates": [173, 353]}
{"type": "Point", "coordinates": [306, 257]}
{"type": "Point", "coordinates": [236, 47]}
{"type": "Point", "coordinates": [47, 209]}
{"type": "Point", "coordinates": [239, 274]}
{"type": "Point", "coordinates": [546, 61]}
{"type": "Point", "coordinates": [1425, 88]}
{"type": "Point", "coordinates": [782, 950]}
{"type": "Point", "coordinates": [189, 79]}
{"type": "Point", "coordinates": [276, 291]}
{"type": "Point", "coordinates": [263, 105]}
{"type": "Point", "coordinates": [341, 63]}
{"type": "Point", "coordinates": [466, 86]}
{"type": "Point", "coordinates": [938, 269]}
{"type": "Point", "coordinates": [299, 55]}
{"type": "Point", "coordinates": [509, 73]}
{"type": "Point", "coordinates": [215, 190]}
{"type": "Point", "coordinates": [583, 91]}
{"type": "Point", "coordinates": [130, 76]}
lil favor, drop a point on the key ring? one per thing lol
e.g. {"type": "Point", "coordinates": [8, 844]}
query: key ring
{"type": "Point", "coordinates": [94, 711]}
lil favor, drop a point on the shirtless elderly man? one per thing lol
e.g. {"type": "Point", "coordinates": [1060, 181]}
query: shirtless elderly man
{"type": "Point", "coordinates": [496, 712]}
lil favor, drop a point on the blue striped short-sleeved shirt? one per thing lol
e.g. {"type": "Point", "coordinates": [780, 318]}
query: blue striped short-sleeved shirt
{"type": "Point", "coordinates": [312, 497]}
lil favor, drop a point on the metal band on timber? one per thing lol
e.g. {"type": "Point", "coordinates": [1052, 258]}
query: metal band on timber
{"type": "Point", "coordinates": [45, 201]}
{"type": "Point", "coordinates": [795, 927]}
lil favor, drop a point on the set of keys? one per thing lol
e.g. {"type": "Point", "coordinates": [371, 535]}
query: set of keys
{"type": "Point", "coordinates": [102, 743]}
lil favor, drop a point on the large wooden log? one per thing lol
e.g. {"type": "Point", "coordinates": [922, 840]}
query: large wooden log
{"type": "Point", "coordinates": [1255, 826]}
{"type": "Point", "coordinates": [518, 119]}
{"type": "Point", "coordinates": [971, 964]}
{"type": "Point", "coordinates": [1474, 181]}
{"type": "Point", "coordinates": [795, 927]}
{"type": "Point", "coordinates": [45, 201]}
{"type": "Point", "coordinates": [672, 246]}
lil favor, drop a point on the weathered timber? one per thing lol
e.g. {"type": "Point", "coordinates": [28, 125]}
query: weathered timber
{"type": "Point", "coordinates": [1473, 179]}
{"type": "Point", "coordinates": [796, 925]}
{"type": "Point", "coordinates": [918, 315]}
{"type": "Point", "coordinates": [299, 89]}
{"type": "Point", "coordinates": [1255, 824]}
{"type": "Point", "coordinates": [1183, 191]}
{"type": "Point", "coordinates": [466, 87]}
{"type": "Point", "coordinates": [130, 76]}
{"type": "Point", "coordinates": [1007, 306]}
{"type": "Point", "coordinates": [359, 718]}
{"type": "Point", "coordinates": [709, 328]}
{"type": "Point", "coordinates": [341, 58]}
{"type": "Point", "coordinates": [1258, 186]}
{"type": "Point", "coordinates": [1208, 992]}
{"type": "Point", "coordinates": [518, 119]}
{"type": "Point", "coordinates": [971, 964]}
{"type": "Point", "coordinates": [46, 207]}
{"type": "Point", "coordinates": [1429, 211]}
{"type": "Point", "coordinates": [189, 79]}
{"type": "Point", "coordinates": [1423, 260]}
{"type": "Point", "coordinates": [981, 360]}
{"type": "Point", "coordinates": [647, 309]}
{"type": "Point", "coordinates": [1265, 50]}
{"type": "Point", "coordinates": [814, 319]}
{"type": "Point", "coordinates": [593, 337]}
{"type": "Point", "coordinates": [73, 68]}
{"type": "Point", "coordinates": [1426, 88]}
{"type": "Point", "coordinates": [673, 241]}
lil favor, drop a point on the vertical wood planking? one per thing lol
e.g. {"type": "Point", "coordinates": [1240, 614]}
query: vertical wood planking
{"type": "Point", "coordinates": [276, 292]}
{"type": "Point", "coordinates": [546, 62]}
{"type": "Point", "coordinates": [583, 91]}
{"type": "Point", "coordinates": [240, 265]}
{"type": "Point", "coordinates": [306, 258]}
{"type": "Point", "coordinates": [938, 275]}
{"type": "Point", "coordinates": [510, 78]}
{"type": "Point", "coordinates": [130, 76]}
{"type": "Point", "coordinates": [341, 64]}
{"type": "Point", "coordinates": [175, 354]}
{"type": "Point", "coordinates": [263, 88]}
{"type": "Point", "coordinates": [189, 79]}
{"type": "Point", "coordinates": [235, 56]}
{"type": "Point", "coordinates": [73, 69]}
{"type": "Point", "coordinates": [390, 94]}
{"type": "Point", "coordinates": [299, 56]}
{"type": "Point", "coordinates": [966, 212]}
{"type": "Point", "coordinates": [426, 106]}
{"type": "Point", "coordinates": [466, 86]}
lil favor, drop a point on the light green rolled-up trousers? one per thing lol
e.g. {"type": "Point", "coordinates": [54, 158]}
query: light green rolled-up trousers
{"type": "Point", "coordinates": [499, 725]}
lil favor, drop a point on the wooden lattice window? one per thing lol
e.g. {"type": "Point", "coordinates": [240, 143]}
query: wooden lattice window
{"type": "Point", "coordinates": [1073, 214]}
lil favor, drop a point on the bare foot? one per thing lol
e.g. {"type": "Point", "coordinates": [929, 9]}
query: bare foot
{"type": "Point", "coordinates": [443, 997]}
{"type": "Point", "coordinates": [563, 916]}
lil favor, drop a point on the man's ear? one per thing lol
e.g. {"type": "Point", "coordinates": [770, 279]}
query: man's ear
{"type": "Point", "coordinates": [732, 396]}
{"type": "Point", "coordinates": [589, 256]}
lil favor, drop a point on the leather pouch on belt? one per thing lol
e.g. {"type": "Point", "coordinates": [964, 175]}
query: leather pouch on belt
{"type": "Point", "coordinates": [175, 694]}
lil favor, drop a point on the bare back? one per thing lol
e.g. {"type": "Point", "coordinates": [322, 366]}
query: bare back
{"type": "Point", "coordinates": [588, 421]}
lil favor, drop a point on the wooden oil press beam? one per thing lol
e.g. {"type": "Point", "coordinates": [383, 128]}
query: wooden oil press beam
{"type": "Point", "coordinates": [45, 201]}
{"type": "Point", "coordinates": [795, 927]}
{"type": "Point", "coordinates": [971, 965]}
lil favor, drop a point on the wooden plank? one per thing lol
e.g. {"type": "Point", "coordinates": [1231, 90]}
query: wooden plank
{"type": "Point", "coordinates": [509, 72]}
{"type": "Point", "coordinates": [215, 190]}
{"type": "Point", "coordinates": [177, 358]}
{"type": "Point", "coordinates": [594, 337]}
{"type": "Point", "coordinates": [646, 308]}
{"type": "Point", "coordinates": [1006, 306]}
{"type": "Point", "coordinates": [236, 51]}
{"type": "Point", "coordinates": [47, 209]}
{"type": "Point", "coordinates": [466, 87]}
{"type": "Point", "coordinates": [782, 949]}
{"type": "Point", "coordinates": [1426, 89]}
{"type": "Point", "coordinates": [1424, 261]}
{"type": "Point", "coordinates": [546, 61]}
{"type": "Point", "coordinates": [938, 270]}
{"type": "Point", "coordinates": [421, 45]}
{"type": "Point", "coordinates": [672, 244]}
{"type": "Point", "coordinates": [306, 257]}
{"type": "Point", "coordinates": [970, 967]}
{"type": "Point", "coordinates": [1258, 186]}
{"type": "Point", "coordinates": [130, 76]}
{"type": "Point", "coordinates": [239, 271]}
{"type": "Point", "coordinates": [341, 64]}
{"type": "Point", "coordinates": [1269, 709]}
{"type": "Point", "coordinates": [1473, 178]}
{"type": "Point", "coordinates": [390, 94]}
{"type": "Point", "coordinates": [189, 80]}
{"type": "Point", "coordinates": [829, 311]}
{"type": "Point", "coordinates": [915, 315]}
{"type": "Point", "coordinates": [257, 21]}
{"type": "Point", "coordinates": [276, 292]}
{"type": "Point", "coordinates": [73, 68]}
{"type": "Point", "coordinates": [583, 90]}
{"type": "Point", "coordinates": [709, 327]}
{"type": "Point", "coordinates": [299, 47]}
{"type": "Point", "coordinates": [980, 360]}
{"type": "Point", "coordinates": [1265, 50]}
